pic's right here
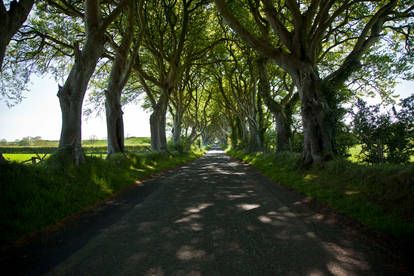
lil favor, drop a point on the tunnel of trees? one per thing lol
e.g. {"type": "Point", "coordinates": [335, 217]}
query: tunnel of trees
{"type": "Point", "coordinates": [258, 75]}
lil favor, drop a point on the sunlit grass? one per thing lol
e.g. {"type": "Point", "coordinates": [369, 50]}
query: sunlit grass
{"type": "Point", "coordinates": [355, 151]}
{"type": "Point", "coordinates": [35, 196]}
{"type": "Point", "coordinates": [380, 197]}
{"type": "Point", "coordinates": [21, 157]}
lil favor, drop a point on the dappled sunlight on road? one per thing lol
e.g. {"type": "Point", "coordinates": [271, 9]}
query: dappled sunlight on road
{"type": "Point", "coordinates": [245, 206]}
{"type": "Point", "coordinates": [219, 217]}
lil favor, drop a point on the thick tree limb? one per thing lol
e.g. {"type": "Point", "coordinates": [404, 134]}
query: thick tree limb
{"type": "Point", "coordinates": [11, 21]}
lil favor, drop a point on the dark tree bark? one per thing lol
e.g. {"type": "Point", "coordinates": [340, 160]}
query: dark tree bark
{"type": "Point", "coordinates": [157, 124]}
{"type": "Point", "coordinates": [177, 125]}
{"type": "Point", "coordinates": [119, 75]}
{"type": "Point", "coordinates": [318, 130]}
{"type": "Point", "coordinates": [72, 93]}
{"type": "Point", "coordinates": [234, 134]}
{"type": "Point", "coordinates": [255, 143]}
{"type": "Point", "coordinates": [281, 111]}
{"type": "Point", "coordinates": [243, 132]}
{"type": "Point", "coordinates": [11, 21]}
{"type": "Point", "coordinates": [283, 132]}
{"type": "Point", "coordinates": [261, 120]}
{"type": "Point", "coordinates": [114, 122]}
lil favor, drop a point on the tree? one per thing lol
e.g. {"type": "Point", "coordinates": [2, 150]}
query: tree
{"type": "Point", "coordinates": [10, 22]}
{"type": "Point", "coordinates": [119, 75]}
{"type": "Point", "coordinates": [384, 137]}
{"type": "Point", "coordinates": [73, 91]}
{"type": "Point", "coordinates": [181, 99]}
{"type": "Point", "coordinates": [174, 37]}
{"type": "Point", "coordinates": [241, 80]}
{"type": "Point", "coordinates": [304, 36]}
{"type": "Point", "coordinates": [197, 116]}
{"type": "Point", "coordinates": [282, 110]}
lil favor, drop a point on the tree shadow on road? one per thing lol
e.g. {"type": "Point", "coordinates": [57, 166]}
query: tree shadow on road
{"type": "Point", "coordinates": [216, 216]}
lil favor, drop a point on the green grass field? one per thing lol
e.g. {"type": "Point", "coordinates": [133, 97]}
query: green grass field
{"type": "Point", "coordinates": [98, 148]}
{"type": "Point", "coordinates": [88, 149]}
{"type": "Point", "coordinates": [21, 157]}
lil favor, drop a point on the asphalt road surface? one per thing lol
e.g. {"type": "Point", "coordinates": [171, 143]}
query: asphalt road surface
{"type": "Point", "coordinates": [212, 216]}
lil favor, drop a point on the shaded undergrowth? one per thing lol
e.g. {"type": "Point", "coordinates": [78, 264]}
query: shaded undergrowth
{"type": "Point", "coordinates": [381, 197]}
{"type": "Point", "coordinates": [33, 197]}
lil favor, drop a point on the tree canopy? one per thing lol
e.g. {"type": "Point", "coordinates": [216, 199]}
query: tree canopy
{"type": "Point", "coordinates": [238, 72]}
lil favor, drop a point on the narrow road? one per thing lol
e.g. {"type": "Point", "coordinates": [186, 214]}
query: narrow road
{"type": "Point", "coordinates": [213, 216]}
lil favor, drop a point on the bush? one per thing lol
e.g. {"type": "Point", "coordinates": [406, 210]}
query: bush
{"type": "Point", "coordinates": [344, 140]}
{"type": "Point", "coordinates": [385, 137]}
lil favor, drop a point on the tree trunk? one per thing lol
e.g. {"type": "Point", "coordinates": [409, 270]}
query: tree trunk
{"type": "Point", "coordinates": [281, 112]}
{"type": "Point", "coordinates": [120, 72]}
{"type": "Point", "coordinates": [234, 134]}
{"type": "Point", "coordinates": [71, 95]}
{"type": "Point", "coordinates": [261, 121]}
{"type": "Point", "coordinates": [114, 122]}
{"type": "Point", "coordinates": [244, 134]}
{"type": "Point", "coordinates": [283, 131]}
{"type": "Point", "coordinates": [11, 21]}
{"type": "Point", "coordinates": [177, 126]}
{"type": "Point", "coordinates": [255, 143]}
{"type": "Point", "coordinates": [70, 136]}
{"type": "Point", "coordinates": [317, 126]}
{"type": "Point", "coordinates": [157, 124]}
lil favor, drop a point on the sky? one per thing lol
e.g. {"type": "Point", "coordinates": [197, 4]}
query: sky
{"type": "Point", "coordinates": [39, 115]}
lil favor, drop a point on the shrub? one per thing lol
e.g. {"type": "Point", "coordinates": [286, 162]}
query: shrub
{"type": "Point", "coordinates": [385, 137]}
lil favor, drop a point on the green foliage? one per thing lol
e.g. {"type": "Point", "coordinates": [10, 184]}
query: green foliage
{"type": "Point", "coordinates": [43, 195]}
{"type": "Point", "coordinates": [297, 143]}
{"type": "Point", "coordinates": [344, 140]}
{"type": "Point", "coordinates": [385, 137]}
{"type": "Point", "coordinates": [381, 197]}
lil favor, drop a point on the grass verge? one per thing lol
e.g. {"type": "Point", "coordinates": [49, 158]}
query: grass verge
{"type": "Point", "coordinates": [380, 197]}
{"type": "Point", "coordinates": [33, 197]}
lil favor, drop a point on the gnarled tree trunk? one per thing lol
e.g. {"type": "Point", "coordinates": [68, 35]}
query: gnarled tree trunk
{"type": "Point", "coordinates": [177, 126]}
{"type": "Point", "coordinates": [73, 91]}
{"type": "Point", "coordinates": [282, 112]}
{"type": "Point", "coordinates": [157, 124]}
{"type": "Point", "coordinates": [255, 143]}
{"type": "Point", "coordinates": [121, 69]}
{"type": "Point", "coordinates": [283, 131]}
{"type": "Point", "coordinates": [317, 127]}
{"type": "Point", "coordinates": [71, 98]}
{"type": "Point", "coordinates": [114, 122]}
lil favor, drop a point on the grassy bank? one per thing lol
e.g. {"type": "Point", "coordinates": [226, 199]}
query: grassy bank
{"type": "Point", "coordinates": [35, 196]}
{"type": "Point", "coordinates": [380, 197]}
